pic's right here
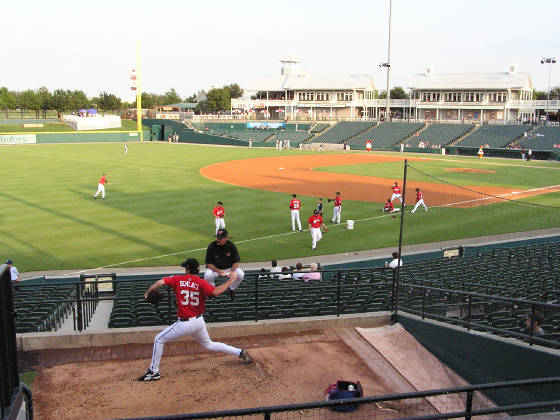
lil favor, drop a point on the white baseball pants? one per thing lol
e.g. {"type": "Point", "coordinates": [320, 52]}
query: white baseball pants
{"type": "Point", "coordinates": [336, 214]}
{"type": "Point", "coordinates": [220, 223]}
{"type": "Point", "coordinates": [211, 276]}
{"type": "Point", "coordinates": [418, 203]}
{"type": "Point", "coordinates": [396, 196]}
{"type": "Point", "coordinates": [316, 236]}
{"type": "Point", "coordinates": [295, 218]}
{"type": "Point", "coordinates": [195, 327]}
{"type": "Point", "coordinates": [100, 189]}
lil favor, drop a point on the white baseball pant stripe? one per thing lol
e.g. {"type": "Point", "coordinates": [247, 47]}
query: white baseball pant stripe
{"type": "Point", "coordinates": [316, 236]}
{"type": "Point", "coordinates": [396, 196]}
{"type": "Point", "coordinates": [420, 202]}
{"type": "Point", "coordinates": [295, 218]}
{"type": "Point", "coordinates": [195, 327]}
{"type": "Point", "coordinates": [100, 189]}
{"type": "Point", "coordinates": [220, 223]}
{"type": "Point", "coordinates": [336, 214]}
{"type": "Point", "coordinates": [211, 276]}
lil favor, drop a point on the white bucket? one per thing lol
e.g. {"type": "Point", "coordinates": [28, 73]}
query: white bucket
{"type": "Point", "coordinates": [349, 224]}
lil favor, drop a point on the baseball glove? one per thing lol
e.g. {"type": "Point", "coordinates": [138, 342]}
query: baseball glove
{"type": "Point", "coordinates": [325, 229]}
{"type": "Point", "coordinates": [154, 297]}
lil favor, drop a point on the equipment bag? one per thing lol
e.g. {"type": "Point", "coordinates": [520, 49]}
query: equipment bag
{"type": "Point", "coordinates": [343, 390]}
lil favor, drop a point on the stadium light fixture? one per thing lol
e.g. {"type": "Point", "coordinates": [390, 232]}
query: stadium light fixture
{"type": "Point", "coordinates": [550, 61]}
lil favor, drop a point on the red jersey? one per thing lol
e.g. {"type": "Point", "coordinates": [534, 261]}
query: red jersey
{"type": "Point", "coordinates": [396, 189]}
{"type": "Point", "coordinates": [337, 201]}
{"type": "Point", "coordinates": [419, 196]}
{"type": "Point", "coordinates": [191, 292]}
{"type": "Point", "coordinates": [389, 206]}
{"type": "Point", "coordinates": [103, 180]}
{"type": "Point", "coordinates": [295, 204]}
{"type": "Point", "coordinates": [219, 212]}
{"type": "Point", "coordinates": [315, 221]}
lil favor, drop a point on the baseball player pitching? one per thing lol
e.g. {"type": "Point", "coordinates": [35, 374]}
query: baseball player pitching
{"type": "Point", "coordinates": [315, 223]}
{"type": "Point", "coordinates": [337, 210]}
{"type": "Point", "coordinates": [101, 186]}
{"type": "Point", "coordinates": [191, 293]}
{"type": "Point", "coordinates": [419, 201]}
{"type": "Point", "coordinates": [219, 216]}
{"type": "Point", "coordinates": [396, 192]}
{"type": "Point", "coordinates": [295, 205]}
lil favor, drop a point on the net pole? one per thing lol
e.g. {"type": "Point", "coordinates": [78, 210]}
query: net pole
{"type": "Point", "coordinates": [138, 93]}
{"type": "Point", "coordinates": [396, 278]}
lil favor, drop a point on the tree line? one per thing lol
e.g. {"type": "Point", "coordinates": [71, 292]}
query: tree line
{"type": "Point", "coordinates": [217, 99]}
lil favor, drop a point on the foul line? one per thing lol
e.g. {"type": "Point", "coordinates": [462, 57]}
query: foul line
{"type": "Point", "coordinates": [202, 249]}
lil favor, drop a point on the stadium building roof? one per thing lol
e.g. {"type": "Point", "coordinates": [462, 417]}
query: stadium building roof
{"type": "Point", "coordinates": [312, 82]}
{"type": "Point", "coordinates": [485, 81]}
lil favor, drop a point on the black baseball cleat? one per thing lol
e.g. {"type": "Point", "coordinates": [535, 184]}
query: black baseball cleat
{"type": "Point", "coordinates": [231, 295]}
{"type": "Point", "coordinates": [244, 355]}
{"type": "Point", "coordinates": [149, 376]}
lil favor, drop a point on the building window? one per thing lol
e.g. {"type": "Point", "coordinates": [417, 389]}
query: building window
{"type": "Point", "coordinates": [306, 96]}
{"type": "Point", "coordinates": [321, 96]}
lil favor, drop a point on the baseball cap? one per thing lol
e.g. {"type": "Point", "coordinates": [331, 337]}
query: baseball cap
{"type": "Point", "coordinates": [221, 233]}
{"type": "Point", "coordinates": [315, 211]}
{"type": "Point", "coordinates": [9, 262]}
{"type": "Point", "coordinates": [191, 264]}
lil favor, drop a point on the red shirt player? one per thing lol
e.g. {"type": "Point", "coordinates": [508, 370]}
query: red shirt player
{"type": "Point", "coordinates": [315, 223]}
{"type": "Point", "coordinates": [295, 205]}
{"type": "Point", "coordinates": [396, 192]}
{"type": "Point", "coordinates": [219, 212]}
{"type": "Point", "coordinates": [419, 201]}
{"type": "Point", "coordinates": [191, 293]}
{"type": "Point", "coordinates": [368, 146]}
{"type": "Point", "coordinates": [388, 206]}
{"type": "Point", "coordinates": [101, 186]}
{"type": "Point", "coordinates": [337, 210]}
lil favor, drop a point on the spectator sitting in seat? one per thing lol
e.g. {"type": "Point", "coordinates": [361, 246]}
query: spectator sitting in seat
{"type": "Point", "coordinates": [298, 274]}
{"type": "Point", "coordinates": [313, 274]}
{"type": "Point", "coordinates": [534, 320]}
{"type": "Point", "coordinates": [275, 269]}
{"type": "Point", "coordinates": [393, 264]}
{"type": "Point", "coordinates": [263, 274]}
{"type": "Point", "coordinates": [285, 274]}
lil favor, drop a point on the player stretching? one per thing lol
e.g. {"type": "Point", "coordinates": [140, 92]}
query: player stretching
{"type": "Point", "coordinates": [295, 205]}
{"type": "Point", "coordinates": [337, 210]}
{"type": "Point", "coordinates": [315, 223]}
{"type": "Point", "coordinates": [101, 186]}
{"type": "Point", "coordinates": [219, 212]}
{"type": "Point", "coordinates": [191, 292]}
{"type": "Point", "coordinates": [396, 192]}
{"type": "Point", "coordinates": [419, 201]}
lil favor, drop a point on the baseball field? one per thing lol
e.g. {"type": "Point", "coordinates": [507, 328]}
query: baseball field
{"type": "Point", "coordinates": [158, 206]}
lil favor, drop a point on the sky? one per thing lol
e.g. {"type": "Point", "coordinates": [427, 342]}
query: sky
{"type": "Point", "coordinates": [194, 45]}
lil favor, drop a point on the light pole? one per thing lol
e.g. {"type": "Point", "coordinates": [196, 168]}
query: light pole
{"type": "Point", "coordinates": [388, 65]}
{"type": "Point", "coordinates": [550, 61]}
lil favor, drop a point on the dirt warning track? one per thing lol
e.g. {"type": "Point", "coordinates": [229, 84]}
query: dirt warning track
{"type": "Point", "coordinates": [297, 174]}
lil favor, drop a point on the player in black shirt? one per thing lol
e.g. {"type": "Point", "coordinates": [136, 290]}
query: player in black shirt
{"type": "Point", "coordinates": [222, 260]}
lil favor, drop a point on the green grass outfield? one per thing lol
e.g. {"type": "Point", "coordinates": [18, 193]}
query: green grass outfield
{"type": "Point", "coordinates": [158, 208]}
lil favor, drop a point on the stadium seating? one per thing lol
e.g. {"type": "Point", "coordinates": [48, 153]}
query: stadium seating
{"type": "Point", "coordinates": [439, 134]}
{"type": "Point", "coordinates": [495, 136]}
{"type": "Point", "coordinates": [342, 131]}
{"type": "Point", "coordinates": [36, 315]}
{"type": "Point", "coordinates": [544, 138]}
{"type": "Point", "coordinates": [385, 135]}
{"type": "Point", "coordinates": [318, 128]}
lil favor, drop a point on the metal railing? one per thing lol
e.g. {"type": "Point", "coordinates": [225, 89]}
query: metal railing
{"type": "Point", "coordinates": [461, 402]}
